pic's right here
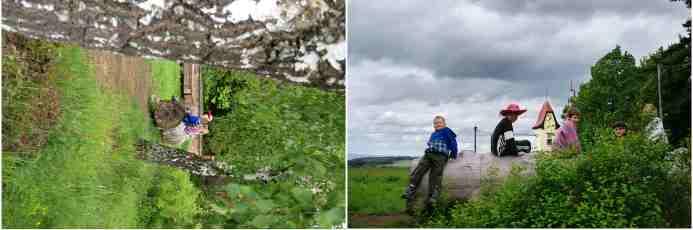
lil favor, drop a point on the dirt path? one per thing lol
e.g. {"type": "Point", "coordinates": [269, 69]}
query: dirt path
{"type": "Point", "coordinates": [389, 220]}
{"type": "Point", "coordinates": [125, 74]}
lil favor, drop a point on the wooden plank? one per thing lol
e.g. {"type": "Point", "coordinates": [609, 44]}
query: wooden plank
{"type": "Point", "coordinates": [191, 96]}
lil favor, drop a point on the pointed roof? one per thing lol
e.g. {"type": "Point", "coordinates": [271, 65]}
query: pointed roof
{"type": "Point", "coordinates": [545, 109]}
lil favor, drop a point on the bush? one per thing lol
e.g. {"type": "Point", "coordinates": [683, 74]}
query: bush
{"type": "Point", "coordinates": [291, 134]}
{"type": "Point", "coordinates": [172, 202]}
{"type": "Point", "coordinates": [618, 183]}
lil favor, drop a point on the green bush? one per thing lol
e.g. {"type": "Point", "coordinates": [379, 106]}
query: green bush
{"type": "Point", "coordinates": [619, 183]}
{"type": "Point", "coordinates": [172, 202]}
{"type": "Point", "coordinates": [293, 134]}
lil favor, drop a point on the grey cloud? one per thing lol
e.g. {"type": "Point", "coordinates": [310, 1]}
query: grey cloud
{"type": "Point", "coordinates": [461, 39]}
{"type": "Point", "coordinates": [581, 10]}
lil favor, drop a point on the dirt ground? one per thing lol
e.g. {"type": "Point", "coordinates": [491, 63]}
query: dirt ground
{"type": "Point", "coordinates": [390, 220]}
{"type": "Point", "coordinates": [128, 75]}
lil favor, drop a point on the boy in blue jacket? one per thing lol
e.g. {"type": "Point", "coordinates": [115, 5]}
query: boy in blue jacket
{"type": "Point", "coordinates": [441, 146]}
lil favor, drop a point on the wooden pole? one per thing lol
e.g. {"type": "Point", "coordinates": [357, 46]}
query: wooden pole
{"type": "Point", "coordinates": [475, 131]}
{"type": "Point", "coordinates": [659, 89]}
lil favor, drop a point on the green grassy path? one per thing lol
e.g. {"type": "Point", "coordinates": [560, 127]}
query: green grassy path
{"type": "Point", "coordinates": [86, 175]}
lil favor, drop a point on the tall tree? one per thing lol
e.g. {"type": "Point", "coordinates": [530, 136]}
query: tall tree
{"type": "Point", "coordinates": [609, 95]}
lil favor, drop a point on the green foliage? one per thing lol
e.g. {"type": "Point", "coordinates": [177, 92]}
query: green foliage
{"type": "Point", "coordinates": [220, 90]}
{"type": "Point", "coordinates": [295, 134]}
{"type": "Point", "coordinates": [172, 202]}
{"type": "Point", "coordinates": [676, 88]}
{"type": "Point", "coordinates": [377, 190]}
{"type": "Point", "coordinates": [611, 93]}
{"type": "Point", "coordinates": [166, 77]}
{"type": "Point", "coordinates": [273, 205]}
{"type": "Point", "coordinates": [618, 183]}
{"type": "Point", "coordinates": [619, 90]}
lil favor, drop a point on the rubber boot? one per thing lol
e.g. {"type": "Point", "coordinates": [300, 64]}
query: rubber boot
{"type": "Point", "coordinates": [409, 192]}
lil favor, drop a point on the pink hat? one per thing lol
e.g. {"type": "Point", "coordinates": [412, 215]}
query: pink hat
{"type": "Point", "coordinates": [512, 108]}
{"type": "Point", "coordinates": [209, 115]}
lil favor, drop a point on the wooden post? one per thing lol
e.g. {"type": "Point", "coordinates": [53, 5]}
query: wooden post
{"type": "Point", "coordinates": [659, 89]}
{"type": "Point", "coordinates": [192, 98]}
{"type": "Point", "coordinates": [475, 130]}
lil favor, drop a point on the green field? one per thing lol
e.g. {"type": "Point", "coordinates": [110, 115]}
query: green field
{"type": "Point", "coordinates": [377, 190]}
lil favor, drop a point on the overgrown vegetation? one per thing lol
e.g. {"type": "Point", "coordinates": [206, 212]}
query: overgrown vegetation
{"type": "Point", "coordinates": [85, 174]}
{"type": "Point", "coordinates": [619, 183]}
{"type": "Point", "coordinates": [287, 142]}
{"type": "Point", "coordinates": [30, 104]}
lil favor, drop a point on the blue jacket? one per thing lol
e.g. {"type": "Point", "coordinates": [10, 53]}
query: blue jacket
{"type": "Point", "coordinates": [191, 120]}
{"type": "Point", "coordinates": [443, 141]}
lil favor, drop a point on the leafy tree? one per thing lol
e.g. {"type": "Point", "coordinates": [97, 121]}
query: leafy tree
{"type": "Point", "coordinates": [611, 94]}
{"type": "Point", "coordinates": [675, 64]}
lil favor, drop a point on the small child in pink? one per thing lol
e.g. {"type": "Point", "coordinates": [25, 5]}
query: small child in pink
{"type": "Point", "coordinates": [567, 136]}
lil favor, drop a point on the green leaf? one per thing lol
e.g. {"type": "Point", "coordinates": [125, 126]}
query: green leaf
{"type": "Point", "coordinates": [264, 205]}
{"type": "Point", "coordinates": [332, 217]}
{"type": "Point", "coordinates": [233, 190]}
{"type": "Point", "coordinates": [302, 195]}
{"type": "Point", "coordinates": [262, 221]}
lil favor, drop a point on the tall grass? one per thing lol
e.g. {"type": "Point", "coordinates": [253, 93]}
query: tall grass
{"type": "Point", "coordinates": [86, 174]}
{"type": "Point", "coordinates": [29, 105]}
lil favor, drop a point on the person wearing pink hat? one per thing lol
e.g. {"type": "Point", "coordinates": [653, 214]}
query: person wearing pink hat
{"type": "Point", "coordinates": [503, 139]}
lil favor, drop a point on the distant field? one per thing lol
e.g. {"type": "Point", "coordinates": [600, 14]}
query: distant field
{"type": "Point", "coordinates": [401, 164]}
{"type": "Point", "coordinates": [376, 190]}
{"type": "Point", "coordinates": [374, 196]}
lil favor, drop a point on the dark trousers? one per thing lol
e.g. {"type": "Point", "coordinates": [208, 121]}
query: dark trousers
{"type": "Point", "coordinates": [435, 163]}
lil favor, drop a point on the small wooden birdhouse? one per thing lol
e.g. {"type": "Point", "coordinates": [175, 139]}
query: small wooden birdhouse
{"type": "Point", "coordinates": [545, 127]}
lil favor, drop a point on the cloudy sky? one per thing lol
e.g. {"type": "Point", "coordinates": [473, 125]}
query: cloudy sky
{"type": "Point", "coordinates": [411, 60]}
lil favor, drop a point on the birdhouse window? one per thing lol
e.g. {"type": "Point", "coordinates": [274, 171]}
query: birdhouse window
{"type": "Point", "coordinates": [549, 141]}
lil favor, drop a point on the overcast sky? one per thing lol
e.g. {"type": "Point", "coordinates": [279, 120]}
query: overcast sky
{"type": "Point", "coordinates": [411, 60]}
